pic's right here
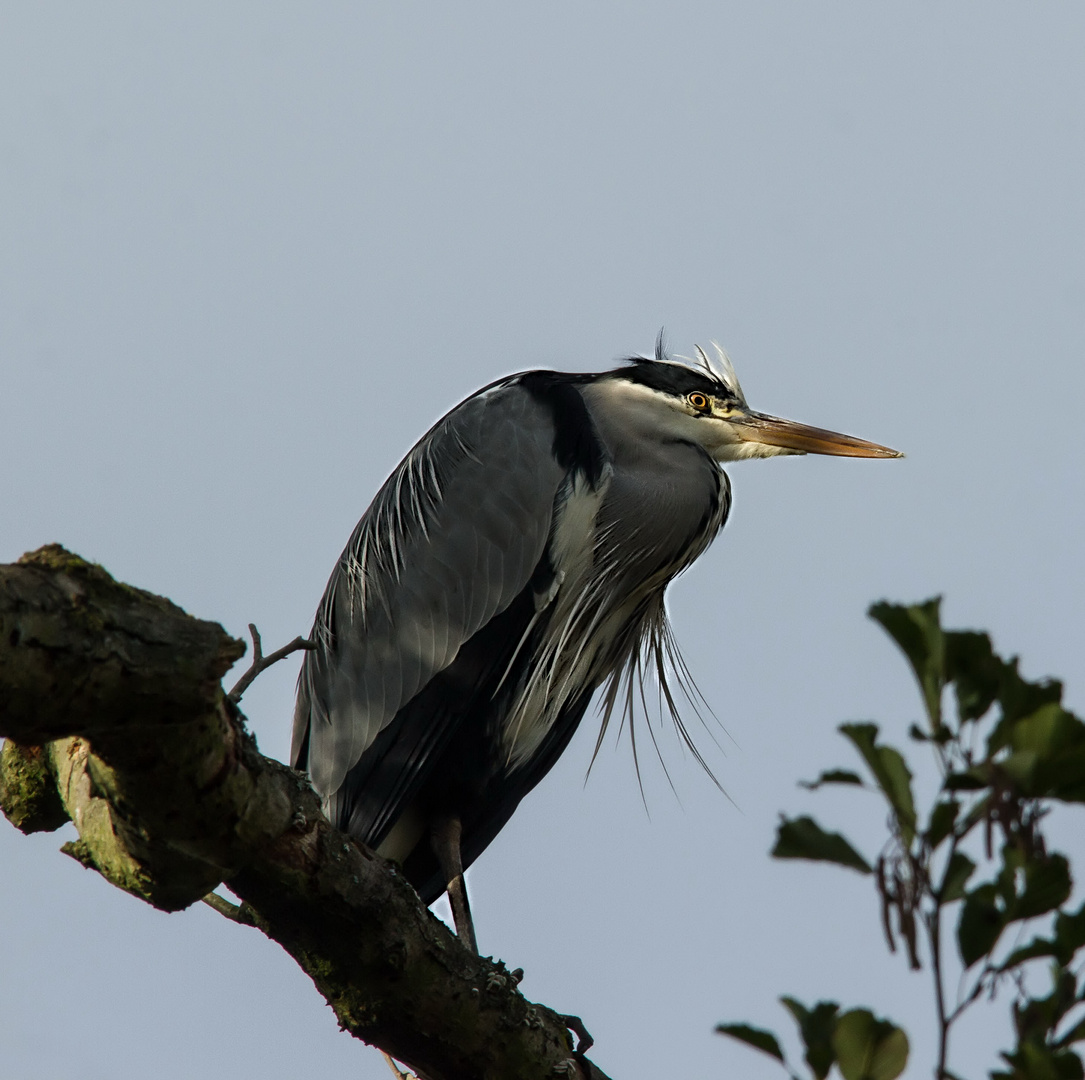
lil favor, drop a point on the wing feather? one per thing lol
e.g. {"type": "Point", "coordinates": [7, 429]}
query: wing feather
{"type": "Point", "coordinates": [450, 540]}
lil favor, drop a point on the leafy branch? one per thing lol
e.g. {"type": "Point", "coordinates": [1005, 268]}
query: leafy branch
{"type": "Point", "coordinates": [1006, 753]}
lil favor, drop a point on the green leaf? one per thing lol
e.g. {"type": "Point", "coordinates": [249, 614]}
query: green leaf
{"type": "Point", "coordinates": [1068, 936]}
{"type": "Point", "coordinates": [1049, 730]}
{"type": "Point", "coordinates": [832, 776]}
{"type": "Point", "coordinates": [1038, 947]}
{"type": "Point", "coordinates": [816, 1027]}
{"type": "Point", "coordinates": [958, 871]}
{"type": "Point", "coordinates": [1035, 1019]}
{"type": "Point", "coordinates": [977, 672]}
{"type": "Point", "coordinates": [1048, 758]}
{"type": "Point", "coordinates": [943, 818]}
{"type": "Point", "coordinates": [980, 924]}
{"type": "Point", "coordinates": [1033, 1061]}
{"type": "Point", "coordinates": [1047, 885]}
{"type": "Point", "coordinates": [973, 780]}
{"type": "Point", "coordinates": [890, 1056]}
{"type": "Point", "coordinates": [804, 838]}
{"type": "Point", "coordinates": [941, 736]}
{"type": "Point", "coordinates": [1069, 933]}
{"type": "Point", "coordinates": [917, 630]}
{"type": "Point", "coordinates": [759, 1039]}
{"type": "Point", "coordinates": [890, 771]}
{"type": "Point", "coordinates": [1063, 776]}
{"type": "Point", "coordinates": [867, 1048]}
{"type": "Point", "coordinates": [1021, 769]}
{"type": "Point", "coordinates": [1019, 698]}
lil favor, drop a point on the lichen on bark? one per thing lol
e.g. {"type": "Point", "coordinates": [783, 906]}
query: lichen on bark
{"type": "Point", "coordinates": [28, 790]}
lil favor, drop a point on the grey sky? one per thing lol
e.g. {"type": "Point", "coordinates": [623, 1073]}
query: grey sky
{"type": "Point", "coordinates": [249, 252]}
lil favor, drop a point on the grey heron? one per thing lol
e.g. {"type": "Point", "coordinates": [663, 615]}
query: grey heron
{"type": "Point", "coordinates": [514, 563]}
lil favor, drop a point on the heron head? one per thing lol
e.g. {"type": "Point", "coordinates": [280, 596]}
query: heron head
{"type": "Point", "coordinates": [702, 402]}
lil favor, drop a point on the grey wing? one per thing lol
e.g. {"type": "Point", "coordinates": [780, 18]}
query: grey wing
{"type": "Point", "coordinates": [448, 543]}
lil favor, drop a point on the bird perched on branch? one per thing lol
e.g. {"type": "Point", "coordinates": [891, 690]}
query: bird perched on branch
{"type": "Point", "coordinates": [514, 563]}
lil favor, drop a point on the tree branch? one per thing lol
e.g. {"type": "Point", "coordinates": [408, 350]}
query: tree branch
{"type": "Point", "coordinates": [260, 662]}
{"type": "Point", "coordinates": [112, 697]}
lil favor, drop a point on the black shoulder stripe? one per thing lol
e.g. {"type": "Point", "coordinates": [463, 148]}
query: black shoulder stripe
{"type": "Point", "coordinates": [576, 444]}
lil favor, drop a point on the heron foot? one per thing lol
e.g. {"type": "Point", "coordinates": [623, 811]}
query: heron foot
{"type": "Point", "coordinates": [584, 1040]}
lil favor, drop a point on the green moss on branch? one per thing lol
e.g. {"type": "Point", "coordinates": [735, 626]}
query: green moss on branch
{"type": "Point", "coordinates": [28, 790]}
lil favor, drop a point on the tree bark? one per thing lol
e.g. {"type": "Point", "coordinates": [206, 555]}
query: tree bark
{"type": "Point", "coordinates": [112, 707]}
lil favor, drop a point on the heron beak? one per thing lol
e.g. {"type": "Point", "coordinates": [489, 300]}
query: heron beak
{"type": "Point", "coordinates": [755, 427]}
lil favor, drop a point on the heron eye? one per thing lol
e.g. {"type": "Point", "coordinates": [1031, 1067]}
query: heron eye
{"type": "Point", "coordinates": [698, 401]}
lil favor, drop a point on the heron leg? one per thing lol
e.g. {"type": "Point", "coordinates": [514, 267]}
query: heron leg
{"type": "Point", "coordinates": [445, 837]}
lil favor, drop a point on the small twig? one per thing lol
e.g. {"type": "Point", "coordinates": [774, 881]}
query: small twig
{"type": "Point", "coordinates": [234, 912]}
{"type": "Point", "coordinates": [260, 662]}
{"type": "Point", "coordinates": [887, 900]}
{"type": "Point", "coordinates": [934, 932]}
{"type": "Point", "coordinates": [983, 980]}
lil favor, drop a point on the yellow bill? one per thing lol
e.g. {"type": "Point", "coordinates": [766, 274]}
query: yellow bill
{"type": "Point", "coordinates": [797, 438]}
